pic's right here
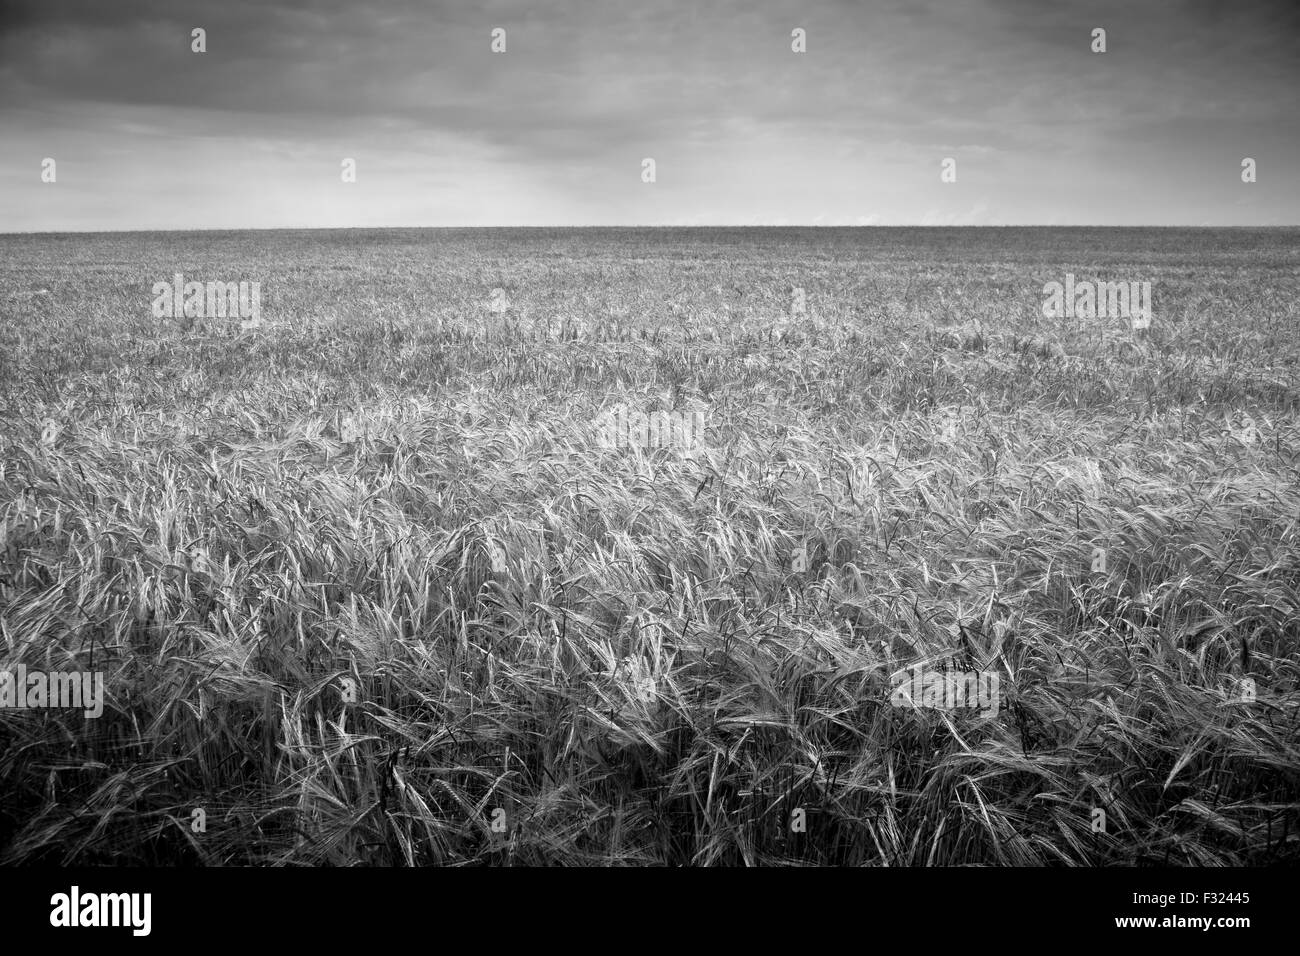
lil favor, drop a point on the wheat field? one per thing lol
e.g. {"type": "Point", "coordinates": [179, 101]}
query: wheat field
{"type": "Point", "coordinates": [366, 588]}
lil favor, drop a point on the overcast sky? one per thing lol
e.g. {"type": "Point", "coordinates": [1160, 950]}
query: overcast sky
{"type": "Point", "coordinates": [149, 135]}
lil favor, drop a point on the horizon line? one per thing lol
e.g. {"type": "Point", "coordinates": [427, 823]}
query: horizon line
{"type": "Point", "coordinates": [96, 232]}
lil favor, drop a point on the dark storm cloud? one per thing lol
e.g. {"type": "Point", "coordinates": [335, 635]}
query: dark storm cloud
{"type": "Point", "coordinates": [423, 64]}
{"type": "Point", "coordinates": [589, 86]}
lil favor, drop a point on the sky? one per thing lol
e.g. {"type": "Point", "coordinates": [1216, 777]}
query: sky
{"type": "Point", "coordinates": [145, 133]}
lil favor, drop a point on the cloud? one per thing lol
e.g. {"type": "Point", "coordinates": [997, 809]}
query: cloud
{"type": "Point", "coordinates": [742, 128]}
